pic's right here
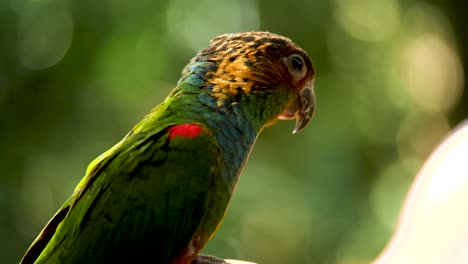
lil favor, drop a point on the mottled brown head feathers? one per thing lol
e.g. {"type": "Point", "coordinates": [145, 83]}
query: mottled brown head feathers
{"type": "Point", "coordinates": [263, 75]}
{"type": "Point", "coordinates": [252, 60]}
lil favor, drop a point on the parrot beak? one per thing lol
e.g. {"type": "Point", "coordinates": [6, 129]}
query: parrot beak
{"type": "Point", "coordinates": [302, 108]}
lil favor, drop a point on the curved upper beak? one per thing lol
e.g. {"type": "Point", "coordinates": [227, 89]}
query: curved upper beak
{"type": "Point", "coordinates": [302, 107]}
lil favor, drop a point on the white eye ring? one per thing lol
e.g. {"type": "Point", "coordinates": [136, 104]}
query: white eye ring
{"type": "Point", "coordinates": [296, 66]}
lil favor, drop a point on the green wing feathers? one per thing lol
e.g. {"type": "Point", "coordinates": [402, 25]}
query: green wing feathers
{"type": "Point", "coordinates": [142, 200]}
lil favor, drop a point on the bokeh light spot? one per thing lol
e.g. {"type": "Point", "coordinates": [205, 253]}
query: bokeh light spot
{"type": "Point", "coordinates": [368, 20]}
{"type": "Point", "coordinates": [44, 35]}
{"type": "Point", "coordinates": [419, 133]}
{"type": "Point", "coordinates": [193, 23]}
{"type": "Point", "coordinates": [433, 73]}
{"type": "Point", "coordinates": [128, 71]}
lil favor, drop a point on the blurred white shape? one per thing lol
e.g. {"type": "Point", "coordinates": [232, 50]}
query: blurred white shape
{"type": "Point", "coordinates": [441, 186]}
{"type": "Point", "coordinates": [233, 261]}
{"type": "Point", "coordinates": [433, 225]}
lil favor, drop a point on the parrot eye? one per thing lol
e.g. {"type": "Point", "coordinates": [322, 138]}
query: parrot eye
{"type": "Point", "coordinates": [296, 66]}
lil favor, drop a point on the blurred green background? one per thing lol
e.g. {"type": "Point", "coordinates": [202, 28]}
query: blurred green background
{"type": "Point", "coordinates": [75, 76]}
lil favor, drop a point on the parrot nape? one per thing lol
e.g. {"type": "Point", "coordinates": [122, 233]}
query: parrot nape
{"type": "Point", "coordinates": [160, 194]}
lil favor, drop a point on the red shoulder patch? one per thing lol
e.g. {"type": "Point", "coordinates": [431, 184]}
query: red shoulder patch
{"type": "Point", "coordinates": [185, 131]}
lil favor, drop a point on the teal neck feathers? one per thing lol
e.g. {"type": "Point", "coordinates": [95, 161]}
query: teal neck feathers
{"type": "Point", "coordinates": [236, 86]}
{"type": "Point", "coordinates": [234, 119]}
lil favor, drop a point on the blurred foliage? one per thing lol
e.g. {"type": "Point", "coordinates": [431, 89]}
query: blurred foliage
{"type": "Point", "coordinates": [75, 76]}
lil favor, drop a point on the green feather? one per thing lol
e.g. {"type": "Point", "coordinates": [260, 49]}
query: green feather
{"type": "Point", "coordinates": [141, 190]}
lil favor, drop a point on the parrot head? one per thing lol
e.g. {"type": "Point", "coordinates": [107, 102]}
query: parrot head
{"type": "Point", "coordinates": [265, 75]}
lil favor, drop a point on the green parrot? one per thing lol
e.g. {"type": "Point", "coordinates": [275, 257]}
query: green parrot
{"type": "Point", "coordinates": [160, 194]}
